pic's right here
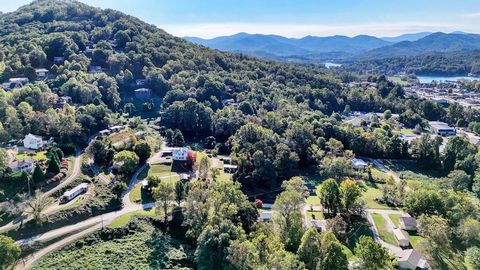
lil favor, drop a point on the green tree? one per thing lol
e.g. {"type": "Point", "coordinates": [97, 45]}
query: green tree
{"type": "Point", "coordinates": [436, 242]}
{"type": "Point", "coordinates": [332, 256]}
{"type": "Point", "coordinates": [371, 254]}
{"type": "Point", "coordinates": [9, 250]}
{"type": "Point", "coordinates": [204, 168]}
{"type": "Point", "coordinates": [101, 152]}
{"type": "Point", "coordinates": [143, 150]}
{"type": "Point", "coordinates": [473, 257]}
{"type": "Point", "coordinates": [329, 195]}
{"type": "Point", "coordinates": [309, 250]}
{"type": "Point", "coordinates": [38, 176]}
{"type": "Point", "coordinates": [126, 161]}
{"type": "Point", "coordinates": [177, 138]}
{"type": "Point", "coordinates": [53, 163]}
{"type": "Point", "coordinates": [350, 193]}
{"type": "Point", "coordinates": [164, 194]}
{"type": "Point", "coordinates": [179, 191]}
{"type": "Point", "coordinates": [470, 232]}
{"type": "Point", "coordinates": [424, 202]}
{"type": "Point", "coordinates": [36, 205]}
{"type": "Point", "coordinates": [243, 255]}
{"type": "Point", "coordinates": [3, 160]}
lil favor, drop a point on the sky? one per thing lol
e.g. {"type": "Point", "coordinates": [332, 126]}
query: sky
{"type": "Point", "coordinates": [296, 18]}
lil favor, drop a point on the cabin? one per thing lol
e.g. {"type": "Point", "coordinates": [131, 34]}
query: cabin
{"type": "Point", "coordinates": [61, 101]}
{"type": "Point", "coordinates": [143, 93]}
{"type": "Point", "coordinates": [25, 165]}
{"type": "Point", "coordinates": [140, 82]}
{"type": "Point", "coordinates": [265, 216]}
{"type": "Point", "coordinates": [228, 168]}
{"type": "Point", "coordinates": [442, 128]}
{"type": "Point", "coordinates": [41, 73]}
{"type": "Point", "coordinates": [74, 192]}
{"type": "Point", "coordinates": [117, 128]}
{"type": "Point", "coordinates": [402, 237]}
{"type": "Point", "coordinates": [408, 223]}
{"type": "Point", "coordinates": [359, 164]}
{"type": "Point", "coordinates": [410, 259]}
{"type": "Point", "coordinates": [104, 133]}
{"type": "Point", "coordinates": [33, 142]}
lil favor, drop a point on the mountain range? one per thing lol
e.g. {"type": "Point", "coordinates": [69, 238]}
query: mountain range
{"type": "Point", "coordinates": [342, 48]}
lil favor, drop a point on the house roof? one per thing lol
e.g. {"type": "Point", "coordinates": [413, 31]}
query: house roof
{"type": "Point", "coordinates": [319, 224]}
{"type": "Point", "coordinates": [409, 221]}
{"type": "Point", "coordinates": [411, 256]}
{"type": "Point", "coordinates": [30, 135]}
{"type": "Point", "coordinates": [41, 70]}
{"type": "Point", "coordinates": [75, 189]}
{"type": "Point", "coordinates": [20, 163]}
{"type": "Point", "coordinates": [265, 215]}
{"type": "Point", "coordinates": [400, 234]}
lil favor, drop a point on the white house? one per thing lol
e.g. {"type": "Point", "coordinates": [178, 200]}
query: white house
{"type": "Point", "coordinates": [41, 73]}
{"type": "Point", "coordinates": [33, 142]}
{"type": "Point", "coordinates": [408, 223]}
{"type": "Point", "coordinates": [180, 154]}
{"type": "Point", "coordinates": [74, 192]}
{"type": "Point", "coordinates": [411, 259]}
{"type": "Point", "coordinates": [25, 165]}
{"type": "Point", "coordinates": [359, 164]}
{"type": "Point", "coordinates": [402, 237]}
{"type": "Point", "coordinates": [442, 128]}
{"type": "Point", "coordinates": [228, 168]}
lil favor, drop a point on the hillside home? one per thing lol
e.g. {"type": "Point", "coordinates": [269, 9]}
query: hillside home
{"type": "Point", "coordinates": [61, 101]}
{"type": "Point", "coordinates": [58, 59]}
{"type": "Point", "coordinates": [41, 73]}
{"type": "Point", "coordinates": [25, 165]}
{"type": "Point", "coordinates": [143, 93]}
{"type": "Point", "coordinates": [359, 164]}
{"type": "Point", "coordinates": [442, 128]}
{"type": "Point", "coordinates": [15, 83]}
{"type": "Point", "coordinates": [94, 69]}
{"type": "Point", "coordinates": [140, 82]}
{"type": "Point", "coordinates": [33, 142]}
{"type": "Point", "coordinates": [408, 223]}
{"type": "Point", "coordinates": [411, 259]}
{"type": "Point", "coordinates": [227, 168]}
{"type": "Point", "coordinates": [265, 216]}
{"type": "Point", "coordinates": [180, 154]}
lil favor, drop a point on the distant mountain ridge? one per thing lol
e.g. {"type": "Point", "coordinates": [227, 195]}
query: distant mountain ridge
{"type": "Point", "coordinates": [342, 48]}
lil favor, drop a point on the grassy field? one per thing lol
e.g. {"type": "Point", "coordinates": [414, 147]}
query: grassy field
{"type": "Point", "coordinates": [411, 170]}
{"type": "Point", "coordinates": [160, 170]}
{"type": "Point", "coordinates": [378, 175]}
{"type": "Point", "coordinates": [382, 229]}
{"type": "Point", "coordinates": [313, 200]}
{"type": "Point", "coordinates": [123, 219]}
{"type": "Point", "coordinates": [41, 155]}
{"type": "Point", "coordinates": [398, 80]}
{"type": "Point", "coordinates": [372, 192]}
{"type": "Point", "coordinates": [395, 218]}
{"type": "Point", "coordinates": [315, 215]}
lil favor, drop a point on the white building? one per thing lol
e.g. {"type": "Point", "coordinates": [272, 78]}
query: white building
{"type": "Point", "coordinates": [402, 237]}
{"type": "Point", "coordinates": [359, 164]}
{"type": "Point", "coordinates": [41, 72]}
{"type": "Point", "coordinates": [442, 128]}
{"type": "Point", "coordinates": [25, 165]}
{"type": "Point", "coordinates": [180, 154]}
{"type": "Point", "coordinates": [33, 142]}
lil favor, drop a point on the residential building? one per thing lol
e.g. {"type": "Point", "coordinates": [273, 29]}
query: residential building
{"type": "Point", "coordinates": [408, 223]}
{"type": "Point", "coordinates": [143, 93]}
{"type": "Point", "coordinates": [265, 216]}
{"type": "Point", "coordinates": [442, 128]}
{"type": "Point", "coordinates": [104, 133]}
{"type": "Point", "coordinates": [95, 69]}
{"type": "Point", "coordinates": [74, 192]}
{"type": "Point", "coordinates": [411, 259]}
{"type": "Point", "coordinates": [359, 164]}
{"type": "Point", "coordinates": [228, 168]}
{"type": "Point", "coordinates": [140, 82]}
{"type": "Point", "coordinates": [117, 128]}
{"type": "Point", "coordinates": [15, 83]}
{"type": "Point", "coordinates": [320, 225]}
{"type": "Point", "coordinates": [24, 165]}
{"type": "Point", "coordinates": [41, 73]}
{"type": "Point", "coordinates": [33, 142]}
{"type": "Point", "coordinates": [180, 154]}
{"type": "Point", "coordinates": [402, 237]}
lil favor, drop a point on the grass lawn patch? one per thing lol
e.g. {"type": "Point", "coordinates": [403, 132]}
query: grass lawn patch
{"type": "Point", "coordinates": [382, 228]}
{"type": "Point", "coordinates": [313, 200]}
{"type": "Point", "coordinates": [414, 239]}
{"type": "Point", "coordinates": [395, 218]}
{"type": "Point", "coordinates": [379, 176]}
{"type": "Point", "coordinates": [356, 230]}
{"type": "Point", "coordinates": [41, 155]}
{"type": "Point", "coordinates": [123, 219]}
{"type": "Point", "coordinates": [398, 80]}
{"type": "Point", "coordinates": [138, 195]}
{"type": "Point", "coordinates": [224, 176]}
{"type": "Point", "coordinates": [372, 191]}
{"type": "Point", "coordinates": [160, 170]}
{"type": "Point", "coordinates": [315, 215]}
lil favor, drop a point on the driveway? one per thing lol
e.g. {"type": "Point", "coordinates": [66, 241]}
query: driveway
{"type": "Point", "coordinates": [376, 236]}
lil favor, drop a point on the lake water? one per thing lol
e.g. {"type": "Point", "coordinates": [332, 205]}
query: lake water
{"type": "Point", "coordinates": [330, 64]}
{"type": "Point", "coordinates": [429, 79]}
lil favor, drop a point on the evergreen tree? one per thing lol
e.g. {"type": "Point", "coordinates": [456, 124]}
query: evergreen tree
{"type": "Point", "coordinates": [38, 176]}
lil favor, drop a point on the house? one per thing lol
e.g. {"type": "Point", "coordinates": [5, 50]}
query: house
{"type": "Point", "coordinates": [117, 128]}
{"type": "Point", "coordinates": [408, 223]}
{"type": "Point", "coordinates": [15, 83]}
{"type": "Point", "coordinates": [74, 192]}
{"type": "Point", "coordinates": [104, 132]}
{"type": "Point", "coordinates": [402, 237]}
{"type": "Point", "coordinates": [359, 164]}
{"type": "Point", "coordinates": [442, 128]}
{"type": "Point", "coordinates": [229, 101]}
{"type": "Point", "coordinates": [320, 225]}
{"type": "Point", "coordinates": [33, 142]}
{"type": "Point", "coordinates": [143, 93]}
{"type": "Point", "coordinates": [41, 73]}
{"type": "Point", "coordinates": [180, 154]}
{"type": "Point", "coordinates": [140, 82]}
{"type": "Point", "coordinates": [411, 259]}
{"type": "Point", "coordinates": [61, 101]}
{"type": "Point", "coordinates": [58, 59]}
{"type": "Point", "coordinates": [25, 165]}
{"type": "Point", "coordinates": [94, 69]}
{"type": "Point", "coordinates": [265, 216]}
{"type": "Point", "coordinates": [227, 168]}
{"type": "Point", "coordinates": [440, 101]}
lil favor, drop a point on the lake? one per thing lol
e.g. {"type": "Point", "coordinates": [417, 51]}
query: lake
{"type": "Point", "coordinates": [330, 64]}
{"type": "Point", "coordinates": [429, 79]}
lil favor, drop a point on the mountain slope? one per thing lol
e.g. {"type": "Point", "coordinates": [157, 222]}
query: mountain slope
{"type": "Point", "coordinates": [407, 37]}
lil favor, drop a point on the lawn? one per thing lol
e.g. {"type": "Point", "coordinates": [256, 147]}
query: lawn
{"type": "Point", "coordinates": [407, 169]}
{"type": "Point", "coordinates": [414, 239]}
{"type": "Point", "coordinates": [395, 218]}
{"type": "Point", "coordinates": [137, 195]}
{"type": "Point", "coordinates": [356, 230]}
{"type": "Point", "coordinates": [313, 200]}
{"type": "Point", "coordinates": [160, 170]}
{"type": "Point", "coordinates": [379, 176]}
{"type": "Point", "coordinates": [41, 155]}
{"type": "Point", "coordinates": [315, 215]}
{"type": "Point", "coordinates": [382, 228]}
{"type": "Point", "coordinates": [398, 80]}
{"type": "Point", "coordinates": [372, 192]}
{"type": "Point", "coordinates": [123, 219]}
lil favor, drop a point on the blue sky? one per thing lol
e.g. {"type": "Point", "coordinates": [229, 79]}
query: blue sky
{"type": "Point", "coordinates": [296, 18]}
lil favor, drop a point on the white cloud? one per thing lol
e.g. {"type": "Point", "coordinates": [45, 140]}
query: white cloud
{"type": "Point", "coordinates": [472, 15]}
{"type": "Point", "coordinates": [209, 30]}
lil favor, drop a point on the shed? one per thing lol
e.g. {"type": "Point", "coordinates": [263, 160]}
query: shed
{"type": "Point", "coordinates": [402, 237]}
{"type": "Point", "coordinates": [411, 259]}
{"type": "Point", "coordinates": [408, 223]}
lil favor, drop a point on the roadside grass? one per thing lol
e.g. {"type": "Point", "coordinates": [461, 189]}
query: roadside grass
{"type": "Point", "coordinates": [372, 191]}
{"type": "Point", "coordinates": [123, 219]}
{"type": "Point", "coordinates": [382, 228]}
{"type": "Point", "coordinates": [41, 155]}
{"type": "Point", "coordinates": [315, 215]}
{"type": "Point", "coordinates": [395, 218]}
{"type": "Point", "coordinates": [313, 200]}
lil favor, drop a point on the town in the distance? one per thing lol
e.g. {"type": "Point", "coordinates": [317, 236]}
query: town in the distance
{"type": "Point", "coordinates": [125, 147]}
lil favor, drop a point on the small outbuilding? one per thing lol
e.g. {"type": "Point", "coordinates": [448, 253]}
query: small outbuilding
{"type": "Point", "coordinates": [408, 223]}
{"type": "Point", "coordinates": [402, 237]}
{"type": "Point", "coordinates": [410, 259]}
{"type": "Point", "coordinates": [359, 164]}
